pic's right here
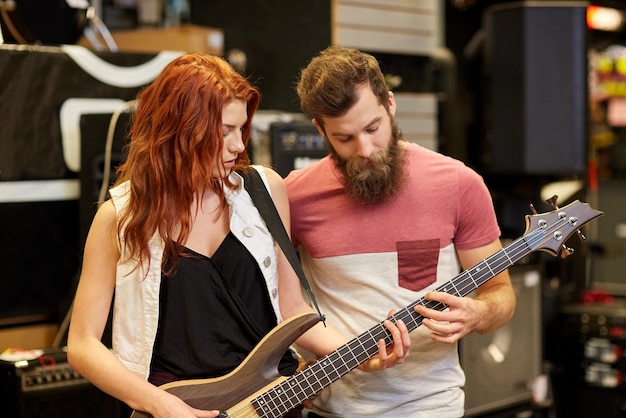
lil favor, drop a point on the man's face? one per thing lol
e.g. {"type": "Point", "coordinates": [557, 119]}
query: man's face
{"type": "Point", "coordinates": [365, 144]}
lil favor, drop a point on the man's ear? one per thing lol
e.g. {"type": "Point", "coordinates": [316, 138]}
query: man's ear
{"type": "Point", "coordinates": [392, 104]}
{"type": "Point", "coordinates": [319, 128]}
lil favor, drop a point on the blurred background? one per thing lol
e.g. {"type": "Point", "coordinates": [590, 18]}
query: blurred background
{"type": "Point", "coordinates": [531, 94]}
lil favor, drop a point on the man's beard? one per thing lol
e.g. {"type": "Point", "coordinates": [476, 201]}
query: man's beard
{"type": "Point", "coordinates": [377, 178]}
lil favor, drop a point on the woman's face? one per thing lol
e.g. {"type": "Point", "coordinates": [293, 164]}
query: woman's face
{"type": "Point", "coordinates": [234, 118]}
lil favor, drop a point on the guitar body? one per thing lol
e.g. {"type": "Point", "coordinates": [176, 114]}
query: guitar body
{"type": "Point", "coordinates": [255, 388]}
{"type": "Point", "coordinates": [258, 370]}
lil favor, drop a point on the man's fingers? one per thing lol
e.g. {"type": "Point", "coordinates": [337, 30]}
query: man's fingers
{"type": "Point", "coordinates": [382, 352]}
{"type": "Point", "coordinates": [400, 335]}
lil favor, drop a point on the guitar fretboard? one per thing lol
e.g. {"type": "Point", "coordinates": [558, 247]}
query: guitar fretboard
{"type": "Point", "coordinates": [330, 368]}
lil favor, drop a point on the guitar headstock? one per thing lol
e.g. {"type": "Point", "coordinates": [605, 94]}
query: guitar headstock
{"type": "Point", "coordinates": [548, 231]}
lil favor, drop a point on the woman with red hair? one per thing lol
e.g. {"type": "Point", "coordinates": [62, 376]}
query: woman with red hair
{"type": "Point", "coordinates": [195, 275]}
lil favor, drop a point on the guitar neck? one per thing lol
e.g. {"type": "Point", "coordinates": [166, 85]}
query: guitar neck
{"type": "Point", "coordinates": [248, 390]}
{"type": "Point", "coordinates": [330, 368]}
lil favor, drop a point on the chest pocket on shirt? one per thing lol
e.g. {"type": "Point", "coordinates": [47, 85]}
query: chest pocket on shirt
{"type": "Point", "coordinates": [417, 263]}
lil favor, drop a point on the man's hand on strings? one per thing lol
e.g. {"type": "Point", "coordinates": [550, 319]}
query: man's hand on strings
{"type": "Point", "coordinates": [394, 354]}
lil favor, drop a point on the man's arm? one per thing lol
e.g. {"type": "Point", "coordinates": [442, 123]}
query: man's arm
{"type": "Point", "coordinates": [497, 294]}
{"type": "Point", "coordinates": [491, 308]}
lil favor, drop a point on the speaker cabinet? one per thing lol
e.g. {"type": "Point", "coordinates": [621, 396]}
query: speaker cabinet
{"type": "Point", "coordinates": [500, 367]}
{"type": "Point", "coordinates": [536, 87]}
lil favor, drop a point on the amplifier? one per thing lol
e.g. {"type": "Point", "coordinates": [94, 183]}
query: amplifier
{"type": "Point", "coordinates": [40, 383]}
{"type": "Point", "coordinates": [502, 367]}
{"type": "Point", "coordinates": [602, 320]}
{"type": "Point", "coordinates": [295, 145]}
{"type": "Point", "coordinates": [589, 361]}
{"type": "Point", "coordinates": [597, 335]}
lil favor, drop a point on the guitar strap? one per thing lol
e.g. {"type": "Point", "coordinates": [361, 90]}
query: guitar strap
{"type": "Point", "coordinates": [255, 186]}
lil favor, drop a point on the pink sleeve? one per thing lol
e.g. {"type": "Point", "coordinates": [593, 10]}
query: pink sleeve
{"type": "Point", "coordinates": [478, 224]}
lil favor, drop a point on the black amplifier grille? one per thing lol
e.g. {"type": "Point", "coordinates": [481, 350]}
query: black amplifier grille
{"type": "Point", "coordinates": [47, 386]}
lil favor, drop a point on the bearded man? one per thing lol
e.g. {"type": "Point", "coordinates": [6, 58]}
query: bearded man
{"type": "Point", "coordinates": [381, 223]}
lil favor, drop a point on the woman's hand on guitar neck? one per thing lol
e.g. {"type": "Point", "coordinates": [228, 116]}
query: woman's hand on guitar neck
{"type": "Point", "coordinates": [394, 354]}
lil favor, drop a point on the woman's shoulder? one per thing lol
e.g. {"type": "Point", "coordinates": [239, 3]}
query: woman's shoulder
{"type": "Point", "coordinates": [274, 182]}
{"type": "Point", "coordinates": [104, 224]}
{"type": "Point", "coordinates": [272, 179]}
{"type": "Point", "coordinates": [106, 213]}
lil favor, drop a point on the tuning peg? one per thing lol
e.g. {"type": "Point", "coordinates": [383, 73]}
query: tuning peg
{"type": "Point", "coordinates": [581, 236]}
{"type": "Point", "coordinates": [532, 209]}
{"type": "Point", "coordinates": [552, 202]}
{"type": "Point", "coordinates": [566, 251]}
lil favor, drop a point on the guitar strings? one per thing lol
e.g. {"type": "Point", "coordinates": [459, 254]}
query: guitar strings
{"type": "Point", "coordinates": [469, 280]}
{"type": "Point", "coordinates": [504, 258]}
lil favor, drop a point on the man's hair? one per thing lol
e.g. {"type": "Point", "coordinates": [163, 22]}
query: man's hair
{"type": "Point", "coordinates": [328, 86]}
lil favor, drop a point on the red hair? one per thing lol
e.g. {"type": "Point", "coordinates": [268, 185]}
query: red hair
{"type": "Point", "coordinates": [175, 140]}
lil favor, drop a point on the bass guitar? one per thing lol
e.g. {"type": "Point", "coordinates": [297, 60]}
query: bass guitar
{"type": "Point", "coordinates": [256, 389]}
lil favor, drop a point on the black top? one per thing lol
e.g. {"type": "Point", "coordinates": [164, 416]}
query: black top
{"type": "Point", "coordinates": [213, 311]}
